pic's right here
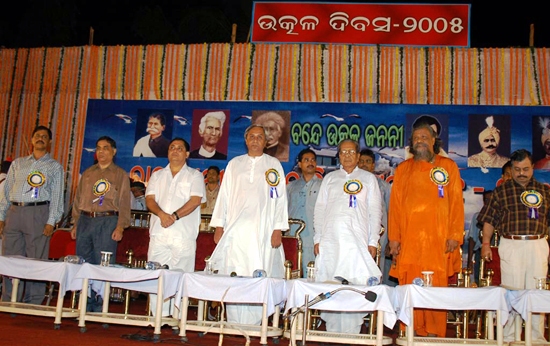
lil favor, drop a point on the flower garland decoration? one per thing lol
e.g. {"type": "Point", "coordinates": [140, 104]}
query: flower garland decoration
{"type": "Point", "coordinates": [123, 72]}
{"type": "Point", "coordinates": [229, 53]}
{"type": "Point", "coordinates": [40, 89]}
{"type": "Point", "coordinates": [205, 74]}
{"type": "Point", "coordinates": [298, 66]}
{"type": "Point", "coordinates": [451, 57]}
{"type": "Point", "coordinates": [479, 81]}
{"type": "Point", "coordinates": [251, 55]}
{"type": "Point", "coordinates": [322, 71]}
{"type": "Point", "coordinates": [378, 56]}
{"type": "Point", "coordinates": [427, 73]}
{"type": "Point", "coordinates": [142, 77]}
{"type": "Point", "coordinates": [184, 72]}
{"type": "Point", "coordinates": [75, 111]}
{"type": "Point", "coordinates": [401, 81]}
{"type": "Point", "coordinates": [16, 58]}
{"type": "Point", "coordinates": [22, 94]}
{"type": "Point", "coordinates": [274, 72]}
{"type": "Point", "coordinates": [535, 75]}
{"type": "Point", "coordinates": [293, 74]}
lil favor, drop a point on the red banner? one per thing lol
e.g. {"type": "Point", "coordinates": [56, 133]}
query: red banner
{"type": "Point", "coordinates": [373, 23]}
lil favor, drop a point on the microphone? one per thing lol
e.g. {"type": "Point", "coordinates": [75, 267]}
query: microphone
{"type": "Point", "coordinates": [371, 296]}
{"type": "Point", "coordinates": [342, 280]}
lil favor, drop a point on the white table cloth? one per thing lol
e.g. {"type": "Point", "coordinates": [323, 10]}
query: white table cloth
{"type": "Point", "coordinates": [525, 302]}
{"type": "Point", "coordinates": [199, 285]}
{"type": "Point", "coordinates": [132, 278]}
{"type": "Point", "coordinates": [344, 300]}
{"type": "Point", "coordinates": [450, 298]}
{"type": "Point", "coordinates": [42, 270]}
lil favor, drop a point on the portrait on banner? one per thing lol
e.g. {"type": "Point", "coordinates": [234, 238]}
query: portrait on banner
{"type": "Point", "coordinates": [210, 133]}
{"type": "Point", "coordinates": [276, 124]}
{"type": "Point", "coordinates": [541, 142]}
{"type": "Point", "coordinates": [488, 140]}
{"type": "Point", "coordinates": [153, 132]}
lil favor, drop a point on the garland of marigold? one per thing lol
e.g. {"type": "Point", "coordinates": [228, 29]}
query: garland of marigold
{"type": "Point", "coordinates": [44, 56]}
{"type": "Point", "coordinates": [427, 73]}
{"type": "Point", "coordinates": [293, 75]}
{"type": "Point", "coordinates": [206, 66]}
{"type": "Point", "coordinates": [22, 93]}
{"type": "Point", "coordinates": [322, 71]}
{"type": "Point", "coordinates": [299, 66]}
{"type": "Point", "coordinates": [452, 79]}
{"type": "Point", "coordinates": [123, 72]}
{"type": "Point", "coordinates": [535, 75]}
{"type": "Point", "coordinates": [350, 62]}
{"type": "Point", "coordinates": [252, 48]}
{"type": "Point", "coordinates": [75, 113]}
{"type": "Point", "coordinates": [274, 73]}
{"type": "Point", "coordinates": [479, 80]}
{"type": "Point", "coordinates": [104, 72]}
{"type": "Point", "coordinates": [378, 73]}
{"type": "Point", "coordinates": [401, 81]}
{"type": "Point", "coordinates": [142, 76]}
{"type": "Point", "coordinates": [229, 52]}
{"type": "Point", "coordinates": [10, 98]}
{"type": "Point", "coordinates": [183, 85]}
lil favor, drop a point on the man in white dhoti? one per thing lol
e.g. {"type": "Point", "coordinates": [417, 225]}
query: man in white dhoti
{"type": "Point", "coordinates": [174, 195]}
{"type": "Point", "coordinates": [249, 216]}
{"type": "Point", "coordinates": [347, 220]}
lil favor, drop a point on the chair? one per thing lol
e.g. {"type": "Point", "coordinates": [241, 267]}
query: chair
{"type": "Point", "coordinates": [293, 248]}
{"type": "Point", "coordinates": [61, 245]}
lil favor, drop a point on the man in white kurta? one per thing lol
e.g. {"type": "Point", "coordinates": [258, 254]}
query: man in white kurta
{"type": "Point", "coordinates": [174, 195]}
{"type": "Point", "coordinates": [249, 217]}
{"type": "Point", "coordinates": [347, 229]}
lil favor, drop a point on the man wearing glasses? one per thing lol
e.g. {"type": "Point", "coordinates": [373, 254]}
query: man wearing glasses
{"type": "Point", "coordinates": [347, 220]}
{"type": "Point", "coordinates": [174, 195]}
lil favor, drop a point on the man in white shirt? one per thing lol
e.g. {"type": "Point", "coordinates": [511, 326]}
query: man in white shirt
{"type": "Point", "coordinates": [249, 217]}
{"type": "Point", "coordinates": [174, 195]}
{"type": "Point", "coordinates": [347, 220]}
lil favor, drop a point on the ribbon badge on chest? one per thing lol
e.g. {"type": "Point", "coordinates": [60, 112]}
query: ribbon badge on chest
{"type": "Point", "coordinates": [440, 177]}
{"type": "Point", "coordinates": [352, 188]}
{"type": "Point", "coordinates": [100, 189]}
{"type": "Point", "coordinates": [273, 178]}
{"type": "Point", "coordinates": [532, 200]}
{"type": "Point", "coordinates": [35, 179]}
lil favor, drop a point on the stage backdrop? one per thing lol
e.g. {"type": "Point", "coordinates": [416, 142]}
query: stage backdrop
{"type": "Point", "coordinates": [384, 128]}
{"type": "Point", "coordinates": [52, 85]}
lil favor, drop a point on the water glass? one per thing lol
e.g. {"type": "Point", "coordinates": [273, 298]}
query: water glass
{"type": "Point", "coordinates": [106, 258]}
{"type": "Point", "coordinates": [427, 276]}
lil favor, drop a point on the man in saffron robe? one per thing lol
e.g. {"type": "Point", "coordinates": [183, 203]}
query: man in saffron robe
{"type": "Point", "coordinates": [426, 221]}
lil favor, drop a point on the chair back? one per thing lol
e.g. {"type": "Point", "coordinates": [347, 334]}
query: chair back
{"type": "Point", "coordinates": [292, 246]}
{"type": "Point", "coordinates": [61, 244]}
{"type": "Point", "coordinates": [205, 247]}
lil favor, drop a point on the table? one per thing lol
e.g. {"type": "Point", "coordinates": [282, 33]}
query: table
{"type": "Point", "coordinates": [19, 267]}
{"type": "Point", "coordinates": [163, 282]}
{"type": "Point", "coordinates": [408, 297]}
{"type": "Point", "coordinates": [269, 292]}
{"type": "Point", "coordinates": [341, 299]}
{"type": "Point", "coordinates": [525, 302]}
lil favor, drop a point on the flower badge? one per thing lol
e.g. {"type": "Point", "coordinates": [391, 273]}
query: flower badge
{"type": "Point", "coordinates": [352, 188]}
{"type": "Point", "coordinates": [273, 178]}
{"type": "Point", "coordinates": [35, 179]}
{"type": "Point", "coordinates": [532, 200]}
{"type": "Point", "coordinates": [100, 189]}
{"type": "Point", "coordinates": [440, 177]}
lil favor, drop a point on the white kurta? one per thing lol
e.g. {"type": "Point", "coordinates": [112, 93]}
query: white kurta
{"type": "Point", "coordinates": [344, 234]}
{"type": "Point", "coordinates": [142, 147]}
{"type": "Point", "coordinates": [249, 212]}
{"type": "Point", "coordinates": [176, 244]}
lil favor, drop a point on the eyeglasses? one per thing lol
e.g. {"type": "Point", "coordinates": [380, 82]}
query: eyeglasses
{"type": "Point", "coordinates": [348, 152]}
{"type": "Point", "coordinates": [178, 149]}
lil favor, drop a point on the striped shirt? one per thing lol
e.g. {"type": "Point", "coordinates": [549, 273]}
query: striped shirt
{"type": "Point", "coordinates": [506, 212]}
{"type": "Point", "coordinates": [17, 189]}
